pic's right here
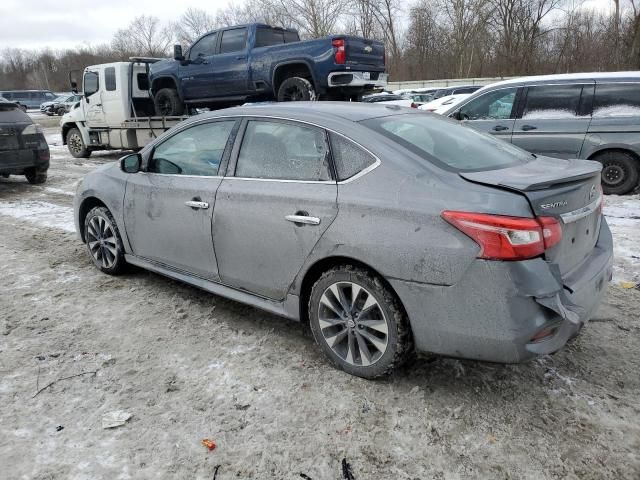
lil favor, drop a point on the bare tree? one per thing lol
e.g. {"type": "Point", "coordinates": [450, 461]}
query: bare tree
{"type": "Point", "coordinates": [192, 24]}
{"type": "Point", "coordinates": [144, 36]}
{"type": "Point", "coordinates": [312, 18]}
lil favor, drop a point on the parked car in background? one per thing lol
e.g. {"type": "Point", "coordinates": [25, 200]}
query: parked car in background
{"type": "Point", "coordinates": [29, 98]}
{"type": "Point", "coordinates": [23, 148]}
{"type": "Point", "coordinates": [20, 106]}
{"type": "Point", "coordinates": [261, 62]}
{"type": "Point", "coordinates": [390, 99]}
{"type": "Point", "coordinates": [421, 98]}
{"type": "Point", "coordinates": [456, 90]}
{"type": "Point", "coordinates": [594, 116]}
{"type": "Point", "coordinates": [384, 228]}
{"type": "Point", "coordinates": [443, 104]}
{"type": "Point", "coordinates": [61, 105]}
{"type": "Point", "coordinates": [59, 97]}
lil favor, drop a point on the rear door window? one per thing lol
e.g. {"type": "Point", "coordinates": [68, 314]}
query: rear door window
{"type": "Point", "coordinates": [233, 40]}
{"type": "Point", "coordinates": [283, 150]}
{"type": "Point", "coordinates": [552, 101]}
{"type": "Point", "coordinates": [617, 100]}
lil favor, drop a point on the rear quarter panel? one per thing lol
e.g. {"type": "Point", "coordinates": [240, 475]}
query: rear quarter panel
{"type": "Point", "coordinates": [607, 133]}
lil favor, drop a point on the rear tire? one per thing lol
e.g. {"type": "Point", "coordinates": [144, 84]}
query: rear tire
{"type": "Point", "coordinates": [76, 145]}
{"type": "Point", "coordinates": [365, 331]}
{"type": "Point", "coordinates": [167, 103]}
{"type": "Point", "coordinates": [296, 89]}
{"type": "Point", "coordinates": [35, 176]}
{"type": "Point", "coordinates": [103, 240]}
{"type": "Point", "coordinates": [619, 171]}
{"type": "Point", "coordinates": [61, 111]}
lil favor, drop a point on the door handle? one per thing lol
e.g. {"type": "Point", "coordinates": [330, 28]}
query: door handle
{"type": "Point", "coordinates": [196, 204]}
{"type": "Point", "coordinates": [526, 128]}
{"type": "Point", "coordinates": [500, 128]}
{"type": "Point", "coordinates": [302, 219]}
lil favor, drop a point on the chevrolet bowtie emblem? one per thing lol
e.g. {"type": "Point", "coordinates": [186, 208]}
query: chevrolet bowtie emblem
{"type": "Point", "coordinates": [368, 49]}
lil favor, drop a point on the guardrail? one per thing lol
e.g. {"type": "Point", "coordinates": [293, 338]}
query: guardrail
{"type": "Point", "coordinates": [447, 82]}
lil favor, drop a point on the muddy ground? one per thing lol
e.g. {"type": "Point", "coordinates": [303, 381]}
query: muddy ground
{"type": "Point", "coordinates": [188, 365]}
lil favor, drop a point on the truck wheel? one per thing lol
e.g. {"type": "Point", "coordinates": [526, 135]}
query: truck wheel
{"type": "Point", "coordinates": [76, 145]}
{"type": "Point", "coordinates": [296, 89]}
{"type": "Point", "coordinates": [619, 171]}
{"type": "Point", "coordinates": [35, 176]}
{"type": "Point", "coordinates": [61, 111]}
{"type": "Point", "coordinates": [168, 103]}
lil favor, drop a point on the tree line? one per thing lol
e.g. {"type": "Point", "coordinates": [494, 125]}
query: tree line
{"type": "Point", "coordinates": [424, 39]}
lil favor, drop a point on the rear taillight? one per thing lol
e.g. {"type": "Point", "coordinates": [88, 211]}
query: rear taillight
{"type": "Point", "coordinates": [44, 154]}
{"type": "Point", "coordinates": [507, 238]}
{"type": "Point", "coordinates": [340, 55]}
{"type": "Point", "coordinates": [413, 105]}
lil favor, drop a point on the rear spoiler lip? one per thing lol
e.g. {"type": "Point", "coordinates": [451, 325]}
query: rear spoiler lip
{"type": "Point", "coordinates": [531, 179]}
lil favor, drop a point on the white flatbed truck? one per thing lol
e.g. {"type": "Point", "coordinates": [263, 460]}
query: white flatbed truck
{"type": "Point", "coordinates": [116, 111]}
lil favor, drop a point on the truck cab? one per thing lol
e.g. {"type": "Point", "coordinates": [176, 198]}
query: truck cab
{"type": "Point", "coordinates": [116, 111]}
{"type": "Point", "coordinates": [258, 62]}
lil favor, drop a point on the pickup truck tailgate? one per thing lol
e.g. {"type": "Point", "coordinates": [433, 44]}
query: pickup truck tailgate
{"type": "Point", "coordinates": [365, 52]}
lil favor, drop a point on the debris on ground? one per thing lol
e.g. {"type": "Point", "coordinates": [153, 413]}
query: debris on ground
{"type": "Point", "coordinates": [59, 427]}
{"type": "Point", "coordinates": [346, 470]}
{"type": "Point", "coordinates": [115, 419]}
{"type": "Point", "coordinates": [210, 444]}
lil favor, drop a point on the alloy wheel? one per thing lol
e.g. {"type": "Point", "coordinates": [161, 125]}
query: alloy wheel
{"type": "Point", "coordinates": [353, 324]}
{"type": "Point", "coordinates": [101, 240]}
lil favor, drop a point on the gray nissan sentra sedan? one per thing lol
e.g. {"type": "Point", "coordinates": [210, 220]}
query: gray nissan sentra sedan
{"type": "Point", "coordinates": [386, 229]}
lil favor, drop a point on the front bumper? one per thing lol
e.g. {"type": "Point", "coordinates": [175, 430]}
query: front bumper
{"type": "Point", "coordinates": [497, 308]}
{"type": "Point", "coordinates": [348, 78]}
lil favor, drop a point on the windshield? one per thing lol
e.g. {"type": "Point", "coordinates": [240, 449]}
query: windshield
{"type": "Point", "coordinates": [448, 144]}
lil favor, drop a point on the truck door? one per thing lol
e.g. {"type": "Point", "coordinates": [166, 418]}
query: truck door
{"type": "Point", "coordinates": [196, 73]}
{"type": "Point", "coordinates": [231, 64]}
{"type": "Point", "coordinates": [94, 112]}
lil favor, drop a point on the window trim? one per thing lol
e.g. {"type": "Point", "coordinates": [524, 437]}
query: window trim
{"type": "Point", "coordinates": [236, 137]}
{"type": "Point", "coordinates": [224, 160]}
{"type": "Point", "coordinates": [215, 45]}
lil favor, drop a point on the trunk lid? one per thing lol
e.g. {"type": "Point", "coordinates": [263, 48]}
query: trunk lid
{"type": "Point", "coordinates": [565, 189]}
{"type": "Point", "coordinates": [364, 52]}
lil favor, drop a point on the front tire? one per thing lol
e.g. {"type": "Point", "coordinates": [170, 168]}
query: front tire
{"type": "Point", "coordinates": [296, 89]}
{"type": "Point", "coordinates": [167, 103]}
{"type": "Point", "coordinates": [35, 176]}
{"type": "Point", "coordinates": [103, 240]}
{"type": "Point", "coordinates": [619, 171]}
{"type": "Point", "coordinates": [358, 322]}
{"type": "Point", "coordinates": [76, 145]}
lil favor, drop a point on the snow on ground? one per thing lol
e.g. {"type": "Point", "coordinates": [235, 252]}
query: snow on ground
{"type": "Point", "coordinates": [623, 217]}
{"type": "Point", "coordinates": [42, 213]}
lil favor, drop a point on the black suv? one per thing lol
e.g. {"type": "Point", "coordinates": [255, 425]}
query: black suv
{"type": "Point", "coordinates": [23, 148]}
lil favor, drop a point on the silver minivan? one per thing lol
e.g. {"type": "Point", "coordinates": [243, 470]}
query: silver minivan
{"type": "Point", "coordinates": [592, 116]}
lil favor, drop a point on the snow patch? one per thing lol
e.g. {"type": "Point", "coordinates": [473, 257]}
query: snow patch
{"type": "Point", "coordinates": [623, 217]}
{"type": "Point", "coordinates": [42, 213]}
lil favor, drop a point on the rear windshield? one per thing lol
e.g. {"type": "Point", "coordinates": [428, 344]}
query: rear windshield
{"type": "Point", "coordinates": [448, 144]}
{"type": "Point", "coordinates": [10, 113]}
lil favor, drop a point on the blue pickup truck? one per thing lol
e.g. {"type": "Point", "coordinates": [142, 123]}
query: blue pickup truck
{"type": "Point", "coordinates": [260, 62]}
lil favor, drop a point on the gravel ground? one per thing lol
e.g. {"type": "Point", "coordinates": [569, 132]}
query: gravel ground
{"type": "Point", "coordinates": [188, 365]}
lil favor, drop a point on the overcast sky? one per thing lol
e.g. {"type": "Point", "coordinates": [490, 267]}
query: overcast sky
{"type": "Point", "coordinates": [67, 23]}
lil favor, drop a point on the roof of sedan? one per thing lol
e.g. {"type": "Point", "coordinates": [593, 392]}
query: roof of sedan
{"type": "Point", "coordinates": [353, 111]}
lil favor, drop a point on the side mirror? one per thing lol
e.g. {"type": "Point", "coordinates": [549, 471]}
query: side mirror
{"type": "Point", "coordinates": [131, 163]}
{"type": "Point", "coordinates": [74, 87]}
{"type": "Point", "coordinates": [177, 53]}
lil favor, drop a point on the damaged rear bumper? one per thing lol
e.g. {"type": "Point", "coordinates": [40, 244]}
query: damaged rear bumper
{"type": "Point", "coordinates": [496, 310]}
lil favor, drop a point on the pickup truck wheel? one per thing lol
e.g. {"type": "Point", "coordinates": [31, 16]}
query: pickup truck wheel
{"type": "Point", "coordinates": [35, 176]}
{"type": "Point", "coordinates": [168, 103]}
{"type": "Point", "coordinates": [61, 111]}
{"type": "Point", "coordinates": [620, 171]}
{"type": "Point", "coordinates": [76, 145]}
{"type": "Point", "coordinates": [296, 89]}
